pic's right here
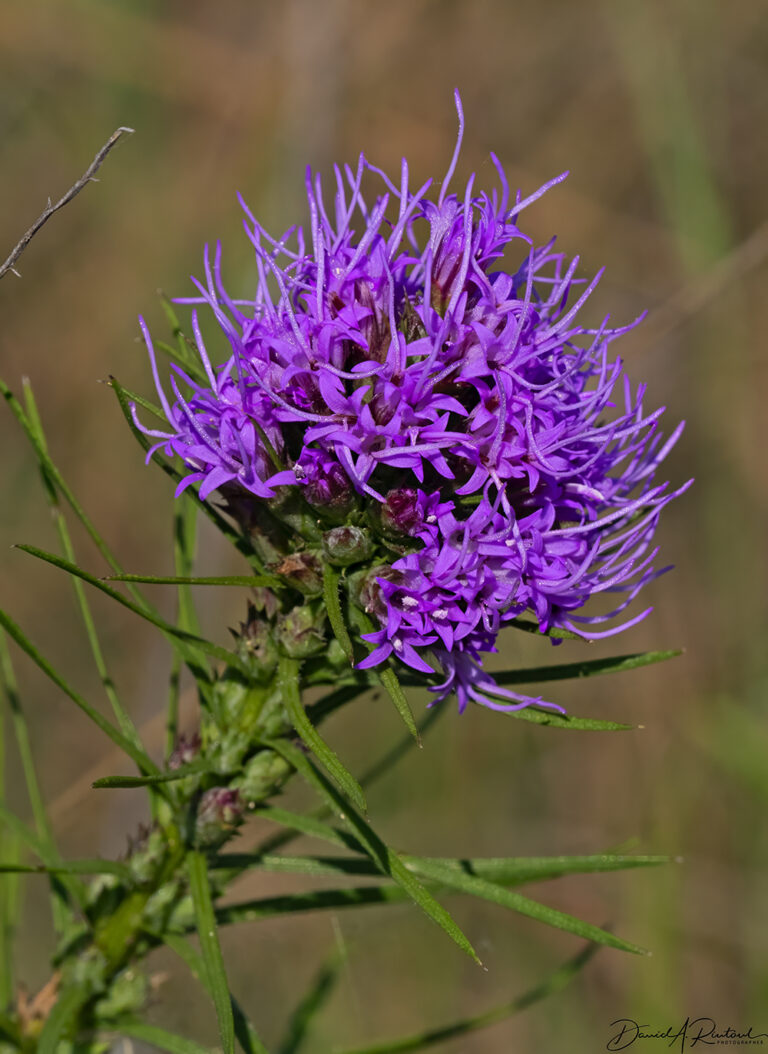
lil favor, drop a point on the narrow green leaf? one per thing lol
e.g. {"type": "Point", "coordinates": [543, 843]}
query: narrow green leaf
{"type": "Point", "coordinates": [310, 826]}
{"type": "Point", "coordinates": [480, 887]}
{"type": "Point", "coordinates": [505, 871]}
{"type": "Point", "coordinates": [422, 1040]}
{"type": "Point", "coordinates": [288, 681]}
{"type": "Point", "coordinates": [62, 1016]}
{"type": "Point", "coordinates": [576, 724]}
{"type": "Point", "coordinates": [184, 542]}
{"type": "Point", "coordinates": [144, 763]}
{"type": "Point", "coordinates": [248, 581]}
{"type": "Point", "coordinates": [127, 726]}
{"type": "Point", "coordinates": [145, 404]}
{"type": "Point", "coordinates": [331, 579]}
{"type": "Point", "coordinates": [555, 632]}
{"type": "Point", "coordinates": [160, 1038]}
{"type": "Point", "coordinates": [375, 772]}
{"type": "Point", "coordinates": [210, 947]}
{"type": "Point", "coordinates": [570, 670]}
{"type": "Point", "coordinates": [390, 682]}
{"type": "Point", "coordinates": [10, 901]}
{"type": "Point", "coordinates": [245, 1033]}
{"type": "Point", "coordinates": [11, 693]}
{"type": "Point", "coordinates": [384, 857]}
{"type": "Point", "coordinates": [317, 900]}
{"type": "Point", "coordinates": [184, 353]}
{"type": "Point", "coordinates": [56, 478]}
{"type": "Point", "coordinates": [177, 637]}
{"type": "Point", "coordinates": [511, 871]}
{"type": "Point", "coordinates": [295, 865]}
{"type": "Point", "coordinates": [70, 867]}
{"type": "Point", "coordinates": [192, 769]}
{"type": "Point", "coordinates": [311, 1004]}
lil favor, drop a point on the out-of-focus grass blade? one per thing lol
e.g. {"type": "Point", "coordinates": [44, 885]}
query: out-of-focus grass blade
{"type": "Point", "coordinates": [571, 670]}
{"type": "Point", "coordinates": [311, 1004]}
{"type": "Point", "coordinates": [384, 857]}
{"type": "Point", "coordinates": [435, 871]}
{"type": "Point", "coordinates": [178, 638]}
{"type": "Point", "coordinates": [245, 1033]}
{"type": "Point", "coordinates": [160, 1038]}
{"type": "Point", "coordinates": [210, 947]}
{"type": "Point", "coordinates": [10, 896]}
{"type": "Point", "coordinates": [226, 528]}
{"type": "Point", "coordinates": [144, 763]}
{"type": "Point", "coordinates": [192, 769]}
{"type": "Point", "coordinates": [70, 867]}
{"type": "Point", "coordinates": [423, 1040]}
{"type": "Point", "coordinates": [331, 579]}
{"type": "Point", "coordinates": [56, 1024]}
{"type": "Point", "coordinates": [248, 581]}
{"type": "Point", "coordinates": [127, 726]}
{"type": "Point", "coordinates": [288, 681]}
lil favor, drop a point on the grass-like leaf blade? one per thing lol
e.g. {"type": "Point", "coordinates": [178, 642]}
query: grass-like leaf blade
{"type": "Point", "coordinates": [577, 724]}
{"type": "Point", "coordinates": [144, 763]}
{"type": "Point", "coordinates": [436, 871]}
{"type": "Point", "coordinates": [385, 858]}
{"type": "Point", "coordinates": [288, 681]}
{"type": "Point", "coordinates": [245, 1033]}
{"type": "Point", "coordinates": [249, 581]}
{"type": "Point", "coordinates": [160, 1038]}
{"type": "Point", "coordinates": [177, 637]}
{"type": "Point", "coordinates": [70, 867]}
{"type": "Point", "coordinates": [568, 671]}
{"type": "Point", "coordinates": [210, 947]}
{"type": "Point", "coordinates": [192, 769]}
{"type": "Point", "coordinates": [331, 580]}
{"type": "Point", "coordinates": [65, 1009]}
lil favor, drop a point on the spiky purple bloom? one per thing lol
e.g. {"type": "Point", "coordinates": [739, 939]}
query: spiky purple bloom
{"type": "Point", "coordinates": [394, 358]}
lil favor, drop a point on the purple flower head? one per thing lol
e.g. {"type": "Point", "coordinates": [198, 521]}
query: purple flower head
{"type": "Point", "coordinates": [393, 365]}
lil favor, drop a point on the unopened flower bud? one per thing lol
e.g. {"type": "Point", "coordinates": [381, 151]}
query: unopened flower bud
{"type": "Point", "coordinates": [347, 545]}
{"type": "Point", "coordinates": [365, 592]}
{"type": "Point", "coordinates": [256, 647]}
{"type": "Point", "coordinates": [219, 813]}
{"type": "Point", "coordinates": [326, 486]}
{"type": "Point", "coordinates": [263, 775]}
{"type": "Point", "coordinates": [303, 571]}
{"type": "Point", "coordinates": [186, 749]}
{"type": "Point", "coordinates": [400, 513]}
{"type": "Point", "coordinates": [300, 632]}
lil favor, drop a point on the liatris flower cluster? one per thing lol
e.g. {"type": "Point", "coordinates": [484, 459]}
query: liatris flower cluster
{"type": "Point", "coordinates": [491, 455]}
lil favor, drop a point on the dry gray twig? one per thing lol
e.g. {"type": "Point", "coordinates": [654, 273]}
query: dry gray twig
{"type": "Point", "coordinates": [87, 177]}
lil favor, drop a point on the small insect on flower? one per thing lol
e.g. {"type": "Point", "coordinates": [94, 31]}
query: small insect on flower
{"type": "Point", "coordinates": [453, 419]}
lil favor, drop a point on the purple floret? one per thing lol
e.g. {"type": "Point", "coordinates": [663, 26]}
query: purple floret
{"type": "Point", "coordinates": [390, 356]}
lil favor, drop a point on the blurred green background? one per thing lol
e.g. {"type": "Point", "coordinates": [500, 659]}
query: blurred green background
{"type": "Point", "coordinates": [659, 109]}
